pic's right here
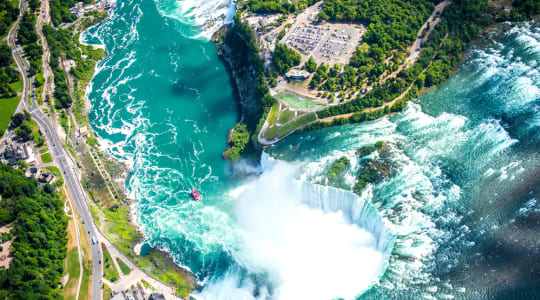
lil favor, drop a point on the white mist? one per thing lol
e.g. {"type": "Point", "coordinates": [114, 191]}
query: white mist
{"type": "Point", "coordinates": [307, 253]}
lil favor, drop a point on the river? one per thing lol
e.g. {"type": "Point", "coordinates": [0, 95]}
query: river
{"type": "Point", "coordinates": [456, 217]}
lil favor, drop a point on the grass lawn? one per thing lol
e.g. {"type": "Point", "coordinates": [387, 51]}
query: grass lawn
{"type": "Point", "coordinates": [109, 270]}
{"type": "Point", "coordinates": [297, 123]}
{"type": "Point", "coordinates": [86, 288]}
{"type": "Point", "coordinates": [123, 267]}
{"type": "Point", "coordinates": [271, 132]}
{"type": "Point", "coordinates": [46, 158]}
{"type": "Point", "coordinates": [85, 292]}
{"type": "Point", "coordinates": [107, 292]}
{"type": "Point", "coordinates": [71, 263]}
{"type": "Point", "coordinates": [297, 103]}
{"type": "Point", "coordinates": [286, 116]}
{"type": "Point", "coordinates": [43, 150]}
{"type": "Point", "coordinates": [8, 106]}
{"type": "Point", "coordinates": [123, 235]}
{"type": "Point", "coordinates": [55, 171]}
{"type": "Point", "coordinates": [272, 116]}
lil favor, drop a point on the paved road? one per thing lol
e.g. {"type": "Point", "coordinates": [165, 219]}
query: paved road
{"type": "Point", "coordinates": [62, 158]}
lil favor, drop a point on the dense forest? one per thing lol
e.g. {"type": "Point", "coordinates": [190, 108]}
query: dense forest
{"type": "Point", "coordinates": [524, 9]}
{"type": "Point", "coordinates": [8, 14]}
{"type": "Point", "coordinates": [391, 24]}
{"type": "Point", "coordinates": [285, 58]}
{"type": "Point", "coordinates": [38, 227]}
{"type": "Point", "coordinates": [241, 39]}
{"type": "Point", "coordinates": [461, 23]}
{"type": "Point", "coordinates": [278, 6]}
{"type": "Point", "coordinates": [63, 46]}
{"type": "Point", "coordinates": [8, 75]}
{"type": "Point", "coordinates": [27, 36]}
{"type": "Point", "coordinates": [238, 141]}
{"type": "Point", "coordinates": [58, 40]}
{"type": "Point", "coordinates": [60, 11]}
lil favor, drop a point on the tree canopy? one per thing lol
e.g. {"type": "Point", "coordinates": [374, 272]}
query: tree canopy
{"type": "Point", "coordinates": [285, 58]}
{"type": "Point", "coordinates": [278, 6]}
{"type": "Point", "coordinates": [39, 233]}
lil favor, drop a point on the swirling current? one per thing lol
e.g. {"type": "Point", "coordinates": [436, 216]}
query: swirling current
{"type": "Point", "coordinates": [457, 216]}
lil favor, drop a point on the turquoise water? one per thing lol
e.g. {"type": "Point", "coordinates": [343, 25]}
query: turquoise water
{"type": "Point", "coordinates": [461, 200]}
{"type": "Point", "coordinates": [163, 101]}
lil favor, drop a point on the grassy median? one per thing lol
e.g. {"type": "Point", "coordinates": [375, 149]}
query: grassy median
{"type": "Point", "coordinates": [109, 270]}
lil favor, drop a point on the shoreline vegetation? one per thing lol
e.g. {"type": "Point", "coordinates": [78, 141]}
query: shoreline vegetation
{"type": "Point", "coordinates": [378, 62]}
{"type": "Point", "coordinates": [72, 65]}
{"type": "Point", "coordinates": [102, 176]}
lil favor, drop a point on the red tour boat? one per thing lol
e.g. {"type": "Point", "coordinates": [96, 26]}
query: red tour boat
{"type": "Point", "coordinates": [195, 194]}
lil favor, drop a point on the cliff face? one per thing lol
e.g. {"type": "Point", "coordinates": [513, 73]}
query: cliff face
{"type": "Point", "coordinates": [232, 49]}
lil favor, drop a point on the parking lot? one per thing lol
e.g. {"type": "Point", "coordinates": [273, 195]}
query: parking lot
{"type": "Point", "coordinates": [328, 43]}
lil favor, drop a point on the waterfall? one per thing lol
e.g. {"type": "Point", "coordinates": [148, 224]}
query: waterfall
{"type": "Point", "coordinates": [357, 210]}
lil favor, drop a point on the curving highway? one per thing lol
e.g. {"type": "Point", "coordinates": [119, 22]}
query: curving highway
{"type": "Point", "coordinates": [60, 156]}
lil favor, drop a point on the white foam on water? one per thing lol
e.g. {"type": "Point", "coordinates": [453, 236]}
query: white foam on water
{"type": "Point", "coordinates": [303, 235]}
{"type": "Point", "coordinates": [208, 15]}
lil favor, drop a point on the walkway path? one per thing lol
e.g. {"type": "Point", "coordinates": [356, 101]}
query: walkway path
{"type": "Point", "coordinates": [391, 103]}
{"type": "Point", "coordinates": [136, 275]}
{"type": "Point", "coordinates": [79, 248]}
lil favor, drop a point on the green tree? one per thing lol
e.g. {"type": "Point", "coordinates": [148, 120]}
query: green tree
{"type": "Point", "coordinates": [310, 65]}
{"type": "Point", "coordinates": [285, 58]}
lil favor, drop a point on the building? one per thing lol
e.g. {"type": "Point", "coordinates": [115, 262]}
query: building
{"type": "Point", "coordinates": [12, 155]}
{"type": "Point", "coordinates": [83, 131]}
{"type": "Point", "coordinates": [156, 296]}
{"type": "Point", "coordinates": [48, 178]}
{"type": "Point", "coordinates": [297, 75]}
{"type": "Point", "coordinates": [119, 296]}
{"type": "Point", "coordinates": [35, 173]}
{"type": "Point", "coordinates": [31, 157]}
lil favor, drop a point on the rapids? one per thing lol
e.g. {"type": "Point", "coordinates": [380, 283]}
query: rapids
{"type": "Point", "coordinates": [456, 214]}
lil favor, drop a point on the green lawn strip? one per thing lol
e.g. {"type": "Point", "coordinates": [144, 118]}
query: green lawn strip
{"type": "Point", "coordinates": [109, 270]}
{"type": "Point", "coordinates": [272, 117]}
{"type": "Point", "coordinates": [107, 292]}
{"type": "Point", "coordinates": [271, 132]}
{"type": "Point", "coordinates": [295, 102]}
{"type": "Point", "coordinates": [8, 106]}
{"type": "Point", "coordinates": [14, 3]}
{"type": "Point", "coordinates": [123, 267]}
{"type": "Point", "coordinates": [46, 158]}
{"type": "Point", "coordinates": [72, 268]}
{"type": "Point", "coordinates": [85, 280]}
{"type": "Point", "coordinates": [55, 171]}
{"type": "Point", "coordinates": [286, 116]}
{"type": "Point", "coordinates": [297, 123]}
{"type": "Point", "coordinates": [43, 150]}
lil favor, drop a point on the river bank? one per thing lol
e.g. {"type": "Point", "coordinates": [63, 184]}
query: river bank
{"type": "Point", "coordinates": [244, 82]}
{"type": "Point", "coordinates": [104, 178]}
